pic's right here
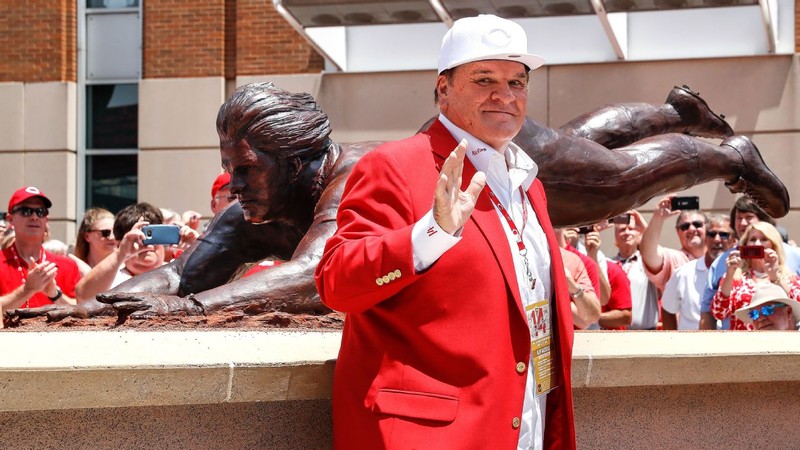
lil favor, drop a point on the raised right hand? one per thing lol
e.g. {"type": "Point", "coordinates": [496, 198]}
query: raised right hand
{"type": "Point", "coordinates": [452, 206]}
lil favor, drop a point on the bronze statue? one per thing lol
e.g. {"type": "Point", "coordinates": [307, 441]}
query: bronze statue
{"type": "Point", "coordinates": [289, 176]}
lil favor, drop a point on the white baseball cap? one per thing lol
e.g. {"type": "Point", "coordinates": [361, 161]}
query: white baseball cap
{"type": "Point", "coordinates": [485, 37]}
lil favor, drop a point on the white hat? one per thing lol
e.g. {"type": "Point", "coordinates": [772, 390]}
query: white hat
{"type": "Point", "coordinates": [485, 37]}
{"type": "Point", "coordinates": [766, 293]}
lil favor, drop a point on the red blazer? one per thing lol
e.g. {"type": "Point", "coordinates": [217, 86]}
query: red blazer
{"type": "Point", "coordinates": [429, 360]}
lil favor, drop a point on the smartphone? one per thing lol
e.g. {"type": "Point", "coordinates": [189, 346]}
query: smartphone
{"type": "Point", "coordinates": [585, 230]}
{"type": "Point", "coordinates": [161, 234]}
{"type": "Point", "coordinates": [685, 203]}
{"type": "Point", "coordinates": [751, 252]}
{"type": "Point", "coordinates": [623, 219]}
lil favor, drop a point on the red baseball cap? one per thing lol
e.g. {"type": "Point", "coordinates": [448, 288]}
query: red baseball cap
{"type": "Point", "coordinates": [25, 193]}
{"type": "Point", "coordinates": [222, 180]}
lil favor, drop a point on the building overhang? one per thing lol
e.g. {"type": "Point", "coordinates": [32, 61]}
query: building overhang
{"type": "Point", "coordinates": [358, 35]}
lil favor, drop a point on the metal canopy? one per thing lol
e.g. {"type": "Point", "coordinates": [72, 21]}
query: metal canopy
{"type": "Point", "coordinates": [307, 15]}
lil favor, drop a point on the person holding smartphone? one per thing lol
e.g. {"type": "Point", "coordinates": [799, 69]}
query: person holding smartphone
{"type": "Point", "coordinates": [690, 226]}
{"type": "Point", "coordinates": [758, 260]}
{"type": "Point", "coordinates": [134, 255]}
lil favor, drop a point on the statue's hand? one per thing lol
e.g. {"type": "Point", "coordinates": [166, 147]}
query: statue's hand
{"type": "Point", "coordinates": [29, 313]}
{"type": "Point", "coordinates": [142, 305]}
{"type": "Point", "coordinates": [57, 313]}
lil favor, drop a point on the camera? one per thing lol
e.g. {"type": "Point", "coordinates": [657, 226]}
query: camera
{"type": "Point", "coordinates": [751, 252]}
{"type": "Point", "coordinates": [684, 203]}
{"type": "Point", "coordinates": [622, 219]}
{"type": "Point", "coordinates": [161, 234]}
{"type": "Point", "coordinates": [585, 230]}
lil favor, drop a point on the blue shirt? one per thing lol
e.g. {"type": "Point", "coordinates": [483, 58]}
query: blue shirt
{"type": "Point", "coordinates": [719, 267]}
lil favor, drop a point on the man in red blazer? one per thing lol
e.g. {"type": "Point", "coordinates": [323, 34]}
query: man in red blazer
{"type": "Point", "coordinates": [451, 344]}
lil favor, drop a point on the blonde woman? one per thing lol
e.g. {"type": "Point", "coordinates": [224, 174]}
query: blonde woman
{"type": "Point", "coordinates": [746, 273]}
{"type": "Point", "coordinates": [95, 239]}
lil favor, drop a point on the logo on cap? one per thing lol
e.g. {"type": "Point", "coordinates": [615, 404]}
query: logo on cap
{"type": "Point", "coordinates": [497, 38]}
{"type": "Point", "coordinates": [32, 190]}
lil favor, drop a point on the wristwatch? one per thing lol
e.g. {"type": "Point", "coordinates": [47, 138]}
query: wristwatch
{"type": "Point", "coordinates": [577, 294]}
{"type": "Point", "coordinates": [57, 296]}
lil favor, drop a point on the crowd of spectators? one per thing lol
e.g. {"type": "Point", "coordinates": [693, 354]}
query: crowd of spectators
{"type": "Point", "coordinates": [705, 284]}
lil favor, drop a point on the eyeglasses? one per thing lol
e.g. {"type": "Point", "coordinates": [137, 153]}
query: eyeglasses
{"type": "Point", "coordinates": [105, 233]}
{"type": "Point", "coordinates": [766, 311]}
{"type": "Point", "coordinates": [27, 212]}
{"type": "Point", "coordinates": [685, 226]}
{"type": "Point", "coordinates": [722, 234]}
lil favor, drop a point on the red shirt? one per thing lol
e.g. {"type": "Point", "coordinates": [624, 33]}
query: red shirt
{"type": "Point", "coordinates": [591, 268]}
{"type": "Point", "coordinates": [620, 290]}
{"type": "Point", "coordinates": [12, 271]}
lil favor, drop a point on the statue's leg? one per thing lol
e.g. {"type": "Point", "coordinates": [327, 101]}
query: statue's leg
{"type": "Point", "coordinates": [615, 126]}
{"type": "Point", "coordinates": [586, 183]}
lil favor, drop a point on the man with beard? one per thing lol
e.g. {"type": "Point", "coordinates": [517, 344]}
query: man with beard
{"type": "Point", "coordinates": [680, 301]}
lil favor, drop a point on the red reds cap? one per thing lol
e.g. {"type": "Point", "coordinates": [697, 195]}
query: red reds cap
{"type": "Point", "coordinates": [25, 193]}
{"type": "Point", "coordinates": [222, 180]}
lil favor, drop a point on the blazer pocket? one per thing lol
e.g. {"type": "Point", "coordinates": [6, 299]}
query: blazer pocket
{"type": "Point", "coordinates": [402, 390]}
{"type": "Point", "coordinates": [416, 405]}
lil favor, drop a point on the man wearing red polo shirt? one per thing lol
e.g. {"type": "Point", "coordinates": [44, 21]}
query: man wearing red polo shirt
{"type": "Point", "coordinates": [29, 275]}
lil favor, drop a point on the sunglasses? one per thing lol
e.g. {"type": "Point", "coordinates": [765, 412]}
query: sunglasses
{"type": "Point", "coordinates": [105, 233]}
{"type": "Point", "coordinates": [765, 311]}
{"type": "Point", "coordinates": [722, 234]}
{"type": "Point", "coordinates": [685, 226]}
{"type": "Point", "coordinates": [27, 212]}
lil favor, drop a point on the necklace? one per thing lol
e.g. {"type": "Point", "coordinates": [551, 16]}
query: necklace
{"type": "Point", "coordinates": [758, 274]}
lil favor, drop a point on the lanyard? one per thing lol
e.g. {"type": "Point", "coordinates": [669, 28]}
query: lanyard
{"type": "Point", "coordinates": [516, 232]}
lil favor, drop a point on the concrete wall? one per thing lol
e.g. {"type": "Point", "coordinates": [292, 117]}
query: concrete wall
{"type": "Point", "coordinates": [271, 389]}
{"type": "Point", "coordinates": [38, 146]}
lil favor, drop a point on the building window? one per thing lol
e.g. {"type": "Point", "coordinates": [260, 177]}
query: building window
{"type": "Point", "coordinates": [108, 74]}
{"type": "Point", "coordinates": [112, 4]}
{"type": "Point", "coordinates": [112, 120]}
{"type": "Point", "coordinates": [111, 180]}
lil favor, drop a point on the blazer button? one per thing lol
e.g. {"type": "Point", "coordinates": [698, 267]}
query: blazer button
{"type": "Point", "coordinates": [397, 273]}
{"type": "Point", "coordinates": [386, 279]}
{"type": "Point", "coordinates": [515, 422]}
{"type": "Point", "coordinates": [520, 367]}
{"type": "Point", "coordinates": [379, 281]}
{"type": "Point", "coordinates": [391, 276]}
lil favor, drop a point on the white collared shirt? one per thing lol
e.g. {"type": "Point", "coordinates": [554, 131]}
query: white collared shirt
{"type": "Point", "coordinates": [505, 173]}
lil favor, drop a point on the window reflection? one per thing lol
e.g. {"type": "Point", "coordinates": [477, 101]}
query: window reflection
{"type": "Point", "coordinates": [112, 4]}
{"type": "Point", "coordinates": [112, 116]}
{"type": "Point", "coordinates": [111, 181]}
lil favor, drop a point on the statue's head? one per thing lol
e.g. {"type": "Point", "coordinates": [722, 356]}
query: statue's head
{"type": "Point", "coordinates": [268, 139]}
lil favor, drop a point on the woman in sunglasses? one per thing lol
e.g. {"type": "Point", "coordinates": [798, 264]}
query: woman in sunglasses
{"type": "Point", "coordinates": [95, 239]}
{"type": "Point", "coordinates": [757, 261]}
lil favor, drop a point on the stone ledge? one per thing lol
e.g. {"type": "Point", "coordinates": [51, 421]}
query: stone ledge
{"type": "Point", "coordinates": [74, 370]}
{"type": "Point", "coordinates": [648, 358]}
{"type": "Point", "coordinates": [107, 369]}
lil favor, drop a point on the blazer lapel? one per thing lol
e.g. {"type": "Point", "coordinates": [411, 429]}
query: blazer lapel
{"type": "Point", "coordinates": [484, 216]}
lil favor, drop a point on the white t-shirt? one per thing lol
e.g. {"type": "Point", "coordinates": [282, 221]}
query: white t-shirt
{"type": "Point", "coordinates": [682, 293]}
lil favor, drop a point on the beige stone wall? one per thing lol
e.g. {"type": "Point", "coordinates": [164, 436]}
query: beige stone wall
{"type": "Point", "coordinates": [37, 147]}
{"type": "Point", "coordinates": [179, 157]}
